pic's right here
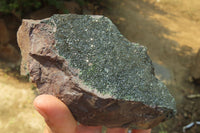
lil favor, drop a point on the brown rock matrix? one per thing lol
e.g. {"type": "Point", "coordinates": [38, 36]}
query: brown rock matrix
{"type": "Point", "coordinates": [102, 77]}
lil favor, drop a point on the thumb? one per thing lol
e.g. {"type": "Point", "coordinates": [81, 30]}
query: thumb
{"type": "Point", "coordinates": [56, 114]}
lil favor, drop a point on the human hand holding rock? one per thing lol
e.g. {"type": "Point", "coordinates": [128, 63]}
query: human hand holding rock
{"type": "Point", "coordinates": [60, 120]}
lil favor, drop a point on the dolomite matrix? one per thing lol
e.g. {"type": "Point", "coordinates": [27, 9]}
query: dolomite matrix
{"type": "Point", "coordinates": [102, 77]}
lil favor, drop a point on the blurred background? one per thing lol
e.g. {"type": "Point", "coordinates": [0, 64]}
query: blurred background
{"type": "Point", "coordinates": [170, 29]}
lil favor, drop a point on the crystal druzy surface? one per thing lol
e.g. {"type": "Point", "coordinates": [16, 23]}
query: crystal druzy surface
{"type": "Point", "coordinates": [103, 78]}
{"type": "Point", "coordinates": [107, 61]}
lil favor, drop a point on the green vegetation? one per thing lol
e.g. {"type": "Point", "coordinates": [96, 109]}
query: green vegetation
{"type": "Point", "coordinates": [20, 8]}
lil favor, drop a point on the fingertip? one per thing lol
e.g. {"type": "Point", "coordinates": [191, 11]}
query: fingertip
{"type": "Point", "coordinates": [40, 104]}
{"type": "Point", "coordinates": [38, 101]}
{"type": "Point", "coordinates": [57, 115]}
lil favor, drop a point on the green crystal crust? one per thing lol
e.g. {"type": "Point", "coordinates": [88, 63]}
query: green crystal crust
{"type": "Point", "coordinates": [107, 61]}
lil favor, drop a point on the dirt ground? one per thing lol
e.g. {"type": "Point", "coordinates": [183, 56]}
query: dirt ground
{"type": "Point", "coordinates": [170, 29]}
{"type": "Point", "coordinates": [17, 114]}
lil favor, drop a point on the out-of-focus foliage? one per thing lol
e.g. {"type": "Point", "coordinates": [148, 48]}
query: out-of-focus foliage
{"type": "Point", "coordinates": [20, 7]}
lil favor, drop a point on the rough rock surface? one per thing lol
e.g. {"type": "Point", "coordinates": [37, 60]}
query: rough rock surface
{"type": "Point", "coordinates": [195, 69]}
{"type": "Point", "coordinates": [102, 77]}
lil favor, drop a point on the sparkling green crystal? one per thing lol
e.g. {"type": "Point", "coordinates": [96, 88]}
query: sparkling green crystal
{"type": "Point", "coordinates": [107, 61]}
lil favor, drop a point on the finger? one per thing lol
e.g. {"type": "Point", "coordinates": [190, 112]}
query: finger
{"type": "Point", "coordinates": [141, 131]}
{"type": "Point", "coordinates": [56, 114]}
{"type": "Point", "coordinates": [116, 130]}
{"type": "Point", "coordinates": [88, 129]}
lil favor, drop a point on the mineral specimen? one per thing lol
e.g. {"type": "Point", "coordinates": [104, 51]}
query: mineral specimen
{"type": "Point", "coordinates": [102, 77]}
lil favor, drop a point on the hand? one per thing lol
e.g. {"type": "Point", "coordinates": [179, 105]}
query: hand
{"type": "Point", "coordinates": [60, 120]}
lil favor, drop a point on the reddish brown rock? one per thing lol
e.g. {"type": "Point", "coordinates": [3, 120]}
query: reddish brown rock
{"type": "Point", "coordinates": [143, 107]}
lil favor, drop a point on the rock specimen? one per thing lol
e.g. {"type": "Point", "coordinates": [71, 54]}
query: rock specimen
{"type": "Point", "coordinates": [195, 69]}
{"type": "Point", "coordinates": [102, 77]}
